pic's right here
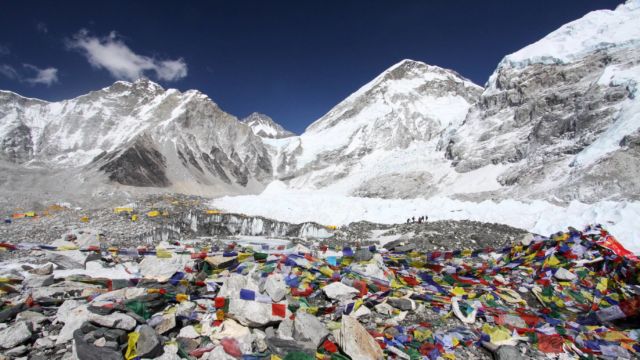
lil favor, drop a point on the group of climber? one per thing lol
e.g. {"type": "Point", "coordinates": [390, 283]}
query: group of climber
{"type": "Point", "coordinates": [421, 219]}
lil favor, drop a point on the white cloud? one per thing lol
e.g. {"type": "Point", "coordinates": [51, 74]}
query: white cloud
{"type": "Point", "coordinates": [36, 75]}
{"type": "Point", "coordinates": [8, 71]}
{"type": "Point", "coordinates": [42, 27]}
{"type": "Point", "coordinates": [46, 76]}
{"type": "Point", "coordinates": [112, 54]}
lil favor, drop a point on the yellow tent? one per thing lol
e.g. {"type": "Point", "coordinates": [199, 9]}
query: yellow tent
{"type": "Point", "coordinates": [84, 219]}
{"type": "Point", "coordinates": [153, 213]}
{"type": "Point", "coordinates": [331, 227]}
{"type": "Point", "coordinates": [134, 217]}
{"type": "Point", "coordinates": [30, 214]}
{"type": "Point", "coordinates": [213, 212]}
{"type": "Point", "coordinates": [120, 210]}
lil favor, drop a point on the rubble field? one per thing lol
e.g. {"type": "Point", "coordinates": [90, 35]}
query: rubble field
{"type": "Point", "coordinates": [168, 279]}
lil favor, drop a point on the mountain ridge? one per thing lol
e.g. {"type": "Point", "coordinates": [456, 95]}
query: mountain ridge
{"type": "Point", "coordinates": [560, 129]}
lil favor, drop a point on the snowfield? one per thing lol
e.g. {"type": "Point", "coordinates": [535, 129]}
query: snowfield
{"type": "Point", "coordinates": [541, 217]}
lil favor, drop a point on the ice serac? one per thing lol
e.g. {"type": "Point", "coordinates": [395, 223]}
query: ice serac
{"type": "Point", "coordinates": [562, 115]}
{"type": "Point", "coordinates": [381, 132]}
{"type": "Point", "coordinates": [136, 134]}
{"type": "Point", "coordinates": [264, 127]}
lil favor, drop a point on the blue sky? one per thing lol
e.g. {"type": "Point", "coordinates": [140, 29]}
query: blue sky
{"type": "Point", "coordinates": [292, 60]}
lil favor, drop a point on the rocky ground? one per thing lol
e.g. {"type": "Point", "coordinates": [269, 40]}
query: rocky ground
{"type": "Point", "coordinates": [109, 287]}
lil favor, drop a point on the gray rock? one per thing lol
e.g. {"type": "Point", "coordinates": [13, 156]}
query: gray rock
{"type": "Point", "coordinates": [185, 308]}
{"type": "Point", "coordinates": [14, 335]}
{"type": "Point", "coordinates": [31, 316]}
{"type": "Point", "coordinates": [188, 332]}
{"type": "Point", "coordinates": [17, 351]}
{"type": "Point", "coordinates": [86, 351]}
{"type": "Point", "coordinates": [405, 248]}
{"type": "Point", "coordinates": [114, 320]}
{"type": "Point", "coordinates": [356, 342]}
{"type": "Point", "coordinates": [565, 275]}
{"type": "Point", "coordinates": [117, 335]}
{"type": "Point", "coordinates": [188, 345]}
{"type": "Point", "coordinates": [504, 352]}
{"type": "Point", "coordinates": [363, 254]}
{"type": "Point", "coordinates": [149, 344]}
{"type": "Point", "coordinates": [285, 329]}
{"type": "Point", "coordinates": [63, 261]}
{"type": "Point", "coordinates": [43, 270]}
{"type": "Point", "coordinates": [282, 347]}
{"type": "Point", "coordinates": [44, 342]}
{"type": "Point", "coordinates": [340, 291]}
{"type": "Point", "coordinates": [167, 324]}
{"type": "Point", "coordinates": [307, 327]}
{"type": "Point", "coordinates": [402, 304]}
{"type": "Point", "coordinates": [100, 342]}
{"type": "Point", "coordinates": [220, 262]}
{"type": "Point", "coordinates": [36, 281]}
{"type": "Point", "coordinates": [276, 287]}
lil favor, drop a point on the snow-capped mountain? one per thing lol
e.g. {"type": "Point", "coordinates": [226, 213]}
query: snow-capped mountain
{"type": "Point", "coordinates": [136, 134]}
{"type": "Point", "coordinates": [558, 119]}
{"type": "Point", "coordinates": [264, 126]}
{"type": "Point", "coordinates": [563, 113]}
{"type": "Point", "coordinates": [374, 142]}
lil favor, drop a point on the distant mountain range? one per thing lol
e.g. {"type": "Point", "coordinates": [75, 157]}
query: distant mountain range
{"type": "Point", "coordinates": [557, 120]}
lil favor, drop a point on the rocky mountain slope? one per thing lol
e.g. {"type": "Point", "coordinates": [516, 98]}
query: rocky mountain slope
{"type": "Point", "coordinates": [563, 113]}
{"type": "Point", "coordinates": [558, 120]}
{"type": "Point", "coordinates": [135, 134]}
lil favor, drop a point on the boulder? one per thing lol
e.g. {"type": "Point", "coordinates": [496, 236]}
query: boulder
{"type": "Point", "coordinates": [149, 344]}
{"type": "Point", "coordinates": [340, 291]}
{"type": "Point", "coordinates": [356, 342]}
{"type": "Point", "coordinates": [161, 269]}
{"type": "Point", "coordinates": [114, 320]}
{"type": "Point", "coordinates": [565, 275]}
{"type": "Point", "coordinates": [189, 332]}
{"type": "Point", "coordinates": [14, 335]}
{"type": "Point", "coordinates": [43, 270]}
{"type": "Point", "coordinates": [31, 317]}
{"type": "Point", "coordinates": [255, 314]}
{"type": "Point", "coordinates": [36, 281]}
{"type": "Point", "coordinates": [220, 262]}
{"type": "Point", "coordinates": [84, 350]}
{"type": "Point", "coordinates": [185, 308]}
{"type": "Point", "coordinates": [231, 329]}
{"type": "Point", "coordinates": [167, 324]}
{"type": "Point", "coordinates": [282, 347]}
{"type": "Point", "coordinates": [65, 261]}
{"type": "Point", "coordinates": [363, 254]}
{"type": "Point", "coordinates": [74, 320]}
{"type": "Point", "coordinates": [234, 283]}
{"type": "Point", "coordinates": [402, 303]}
{"type": "Point", "coordinates": [275, 287]}
{"type": "Point", "coordinates": [285, 329]}
{"type": "Point", "coordinates": [17, 351]}
{"type": "Point", "coordinates": [307, 327]}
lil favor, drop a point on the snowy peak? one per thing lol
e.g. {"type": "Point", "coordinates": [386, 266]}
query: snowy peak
{"type": "Point", "coordinates": [264, 127]}
{"type": "Point", "coordinates": [402, 82]}
{"type": "Point", "coordinates": [597, 30]}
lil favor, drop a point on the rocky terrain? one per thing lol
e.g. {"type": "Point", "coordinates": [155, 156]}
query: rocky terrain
{"type": "Point", "coordinates": [183, 281]}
